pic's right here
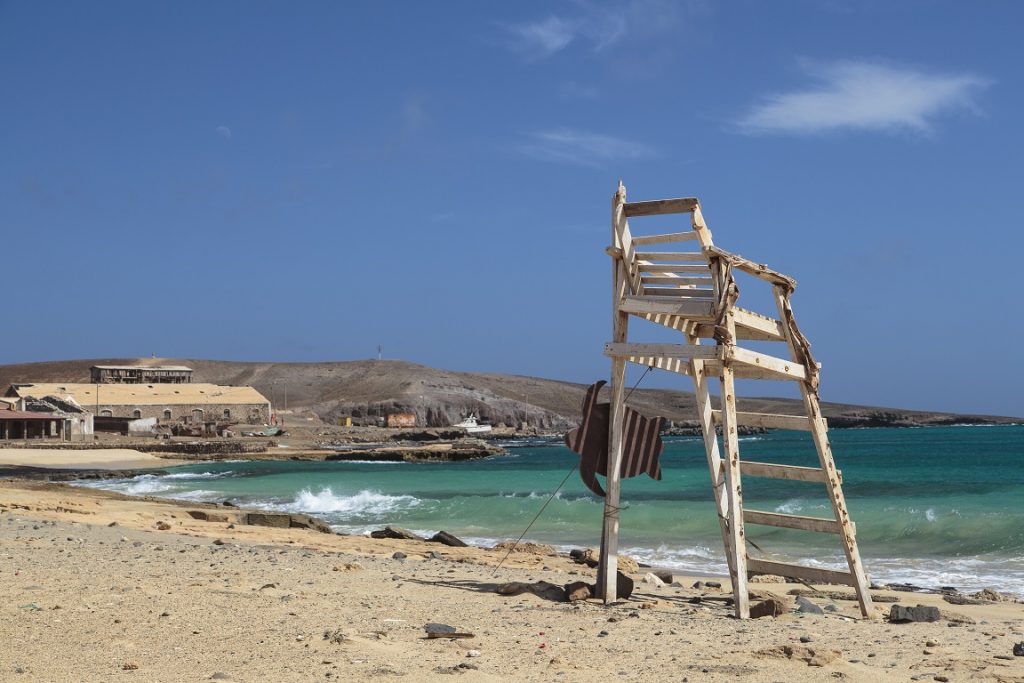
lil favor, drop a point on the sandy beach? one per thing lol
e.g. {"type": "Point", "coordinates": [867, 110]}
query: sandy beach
{"type": "Point", "coordinates": [103, 587]}
{"type": "Point", "coordinates": [90, 459]}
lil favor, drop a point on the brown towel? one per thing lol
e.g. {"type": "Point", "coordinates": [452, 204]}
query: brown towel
{"type": "Point", "coordinates": [641, 442]}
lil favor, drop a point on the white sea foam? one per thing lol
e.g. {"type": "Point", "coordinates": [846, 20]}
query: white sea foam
{"type": "Point", "coordinates": [791, 506]}
{"type": "Point", "coordinates": [369, 462]}
{"type": "Point", "coordinates": [194, 475]}
{"type": "Point", "coordinates": [930, 514]}
{"type": "Point", "coordinates": [364, 503]}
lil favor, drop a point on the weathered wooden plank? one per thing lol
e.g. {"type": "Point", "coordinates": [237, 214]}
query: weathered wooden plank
{"type": "Point", "coordinates": [707, 331]}
{"type": "Point", "coordinates": [687, 351]}
{"type": "Point", "coordinates": [690, 292]}
{"type": "Point", "coordinates": [702, 396]}
{"type": "Point", "coordinates": [825, 526]}
{"type": "Point", "coordinates": [781, 369]}
{"type": "Point", "coordinates": [665, 238]}
{"type": "Point", "coordinates": [734, 491]}
{"type": "Point", "coordinates": [660, 206]}
{"type": "Point", "coordinates": [819, 432]}
{"type": "Point", "coordinates": [670, 268]}
{"type": "Point", "coordinates": [685, 309]}
{"type": "Point", "coordinates": [672, 280]}
{"type": "Point", "coordinates": [758, 270]}
{"type": "Point", "coordinates": [769, 470]}
{"type": "Point", "coordinates": [769, 327]}
{"type": "Point", "coordinates": [811, 574]}
{"type": "Point", "coordinates": [798, 423]}
{"type": "Point", "coordinates": [671, 256]}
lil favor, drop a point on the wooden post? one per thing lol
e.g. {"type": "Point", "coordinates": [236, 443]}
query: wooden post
{"type": "Point", "coordinates": [707, 425]}
{"type": "Point", "coordinates": [607, 581]}
{"type": "Point", "coordinates": [737, 544]}
{"type": "Point", "coordinates": [819, 432]}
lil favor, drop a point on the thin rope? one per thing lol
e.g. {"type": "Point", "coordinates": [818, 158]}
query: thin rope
{"type": "Point", "coordinates": [559, 488]}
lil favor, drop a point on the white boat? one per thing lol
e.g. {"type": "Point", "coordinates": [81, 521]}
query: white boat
{"type": "Point", "coordinates": [471, 425]}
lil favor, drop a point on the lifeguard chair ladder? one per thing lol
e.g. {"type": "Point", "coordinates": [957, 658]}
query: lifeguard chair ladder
{"type": "Point", "coordinates": [693, 291]}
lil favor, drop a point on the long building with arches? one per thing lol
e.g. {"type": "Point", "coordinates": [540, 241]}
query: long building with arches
{"type": "Point", "coordinates": [168, 403]}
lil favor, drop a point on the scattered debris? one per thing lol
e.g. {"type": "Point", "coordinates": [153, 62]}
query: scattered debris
{"type": "Point", "coordinates": [806, 606]}
{"type": "Point", "coordinates": [448, 539]}
{"type": "Point", "coordinates": [336, 636]}
{"type": "Point", "coordinates": [578, 590]}
{"type": "Point", "coordinates": [527, 548]}
{"type": "Point", "coordinates": [814, 656]}
{"type": "Point", "coordinates": [770, 606]}
{"type": "Point", "coordinates": [435, 630]}
{"type": "Point", "coordinates": [395, 532]}
{"type": "Point", "coordinates": [349, 567]}
{"type": "Point", "coordinates": [541, 589]}
{"type": "Point", "coordinates": [900, 614]}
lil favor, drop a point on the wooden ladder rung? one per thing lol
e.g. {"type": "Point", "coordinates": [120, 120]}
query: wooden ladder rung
{"type": "Point", "coordinates": [671, 256]}
{"type": "Point", "coordinates": [685, 351]}
{"type": "Point", "coordinates": [800, 423]}
{"type": "Point", "coordinates": [811, 574]}
{"type": "Point", "coordinates": [671, 268]}
{"type": "Point", "coordinates": [679, 292]}
{"type": "Point", "coordinates": [825, 526]}
{"type": "Point", "coordinates": [769, 470]}
{"type": "Point", "coordinates": [660, 206]}
{"type": "Point", "coordinates": [670, 280]}
{"type": "Point", "coordinates": [639, 240]}
{"type": "Point", "coordinates": [769, 367]}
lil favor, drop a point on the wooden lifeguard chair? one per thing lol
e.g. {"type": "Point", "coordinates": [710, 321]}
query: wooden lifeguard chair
{"type": "Point", "coordinates": [682, 281]}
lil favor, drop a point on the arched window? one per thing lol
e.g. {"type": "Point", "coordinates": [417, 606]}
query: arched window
{"type": "Point", "coordinates": [136, 414]}
{"type": "Point", "coordinates": [106, 413]}
{"type": "Point", "coordinates": [167, 413]}
{"type": "Point", "coordinates": [227, 414]}
{"type": "Point", "coordinates": [197, 414]}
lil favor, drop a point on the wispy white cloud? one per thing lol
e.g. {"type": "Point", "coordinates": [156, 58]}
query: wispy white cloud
{"type": "Point", "coordinates": [223, 131]}
{"type": "Point", "coordinates": [541, 39]}
{"type": "Point", "coordinates": [565, 145]}
{"type": "Point", "coordinates": [864, 95]}
{"type": "Point", "coordinates": [594, 26]}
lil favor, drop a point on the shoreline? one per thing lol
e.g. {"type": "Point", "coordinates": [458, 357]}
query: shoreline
{"type": "Point", "coordinates": [180, 599]}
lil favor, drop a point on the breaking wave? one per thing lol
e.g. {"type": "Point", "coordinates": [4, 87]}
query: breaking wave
{"type": "Point", "coordinates": [366, 503]}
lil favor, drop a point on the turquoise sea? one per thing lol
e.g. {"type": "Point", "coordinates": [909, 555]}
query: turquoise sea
{"type": "Point", "coordinates": [939, 506]}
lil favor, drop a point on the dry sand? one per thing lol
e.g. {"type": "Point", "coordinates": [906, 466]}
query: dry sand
{"type": "Point", "coordinates": [94, 591]}
{"type": "Point", "coordinates": [82, 459]}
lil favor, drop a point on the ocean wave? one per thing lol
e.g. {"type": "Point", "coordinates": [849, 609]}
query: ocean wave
{"type": "Point", "coordinates": [369, 462]}
{"type": "Point", "coordinates": [364, 503]}
{"type": "Point", "coordinates": [194, 475]}
{"type": "Point", "coordinates": [543, 495]}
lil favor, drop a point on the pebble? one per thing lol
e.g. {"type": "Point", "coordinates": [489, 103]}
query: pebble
{"type": "Point", "coordinates": [218, 541]}
{"type": "Point", "coordinates": [931, 643]}
{"type": "Point", "coordinates": [806, 639]}
{"type": "Point", "coordinates": [473, 653]}
{"type": "Point", "coordinates": [398, 556]}
{"type": "Point", "coordinates": [220, 676]}
{"type": "Point", "coordinates": [602, 634]}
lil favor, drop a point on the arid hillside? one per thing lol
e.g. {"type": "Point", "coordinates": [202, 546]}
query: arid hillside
{"type": "Point", "coordinates": [442, 397]}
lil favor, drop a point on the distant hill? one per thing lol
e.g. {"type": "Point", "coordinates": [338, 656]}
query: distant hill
{"type": "Point", "coordinates": [442, 397]}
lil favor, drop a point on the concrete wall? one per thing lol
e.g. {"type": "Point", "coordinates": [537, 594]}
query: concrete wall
{"type": "Point", "coordinates": [244, 413]}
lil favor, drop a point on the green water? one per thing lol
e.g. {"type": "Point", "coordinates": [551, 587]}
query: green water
{"type": "Point", "coordinates": [933, 506]}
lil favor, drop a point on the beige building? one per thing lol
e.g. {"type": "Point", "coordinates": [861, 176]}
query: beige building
{"type": "Point", "coordinates": [189, 402]}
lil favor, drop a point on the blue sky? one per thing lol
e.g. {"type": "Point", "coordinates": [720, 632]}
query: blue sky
{"type": "Point", "coordinates": [305, 181]}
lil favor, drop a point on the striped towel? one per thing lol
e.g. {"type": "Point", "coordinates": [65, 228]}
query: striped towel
{"type": "Point", "coordinates": [641, 442]}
